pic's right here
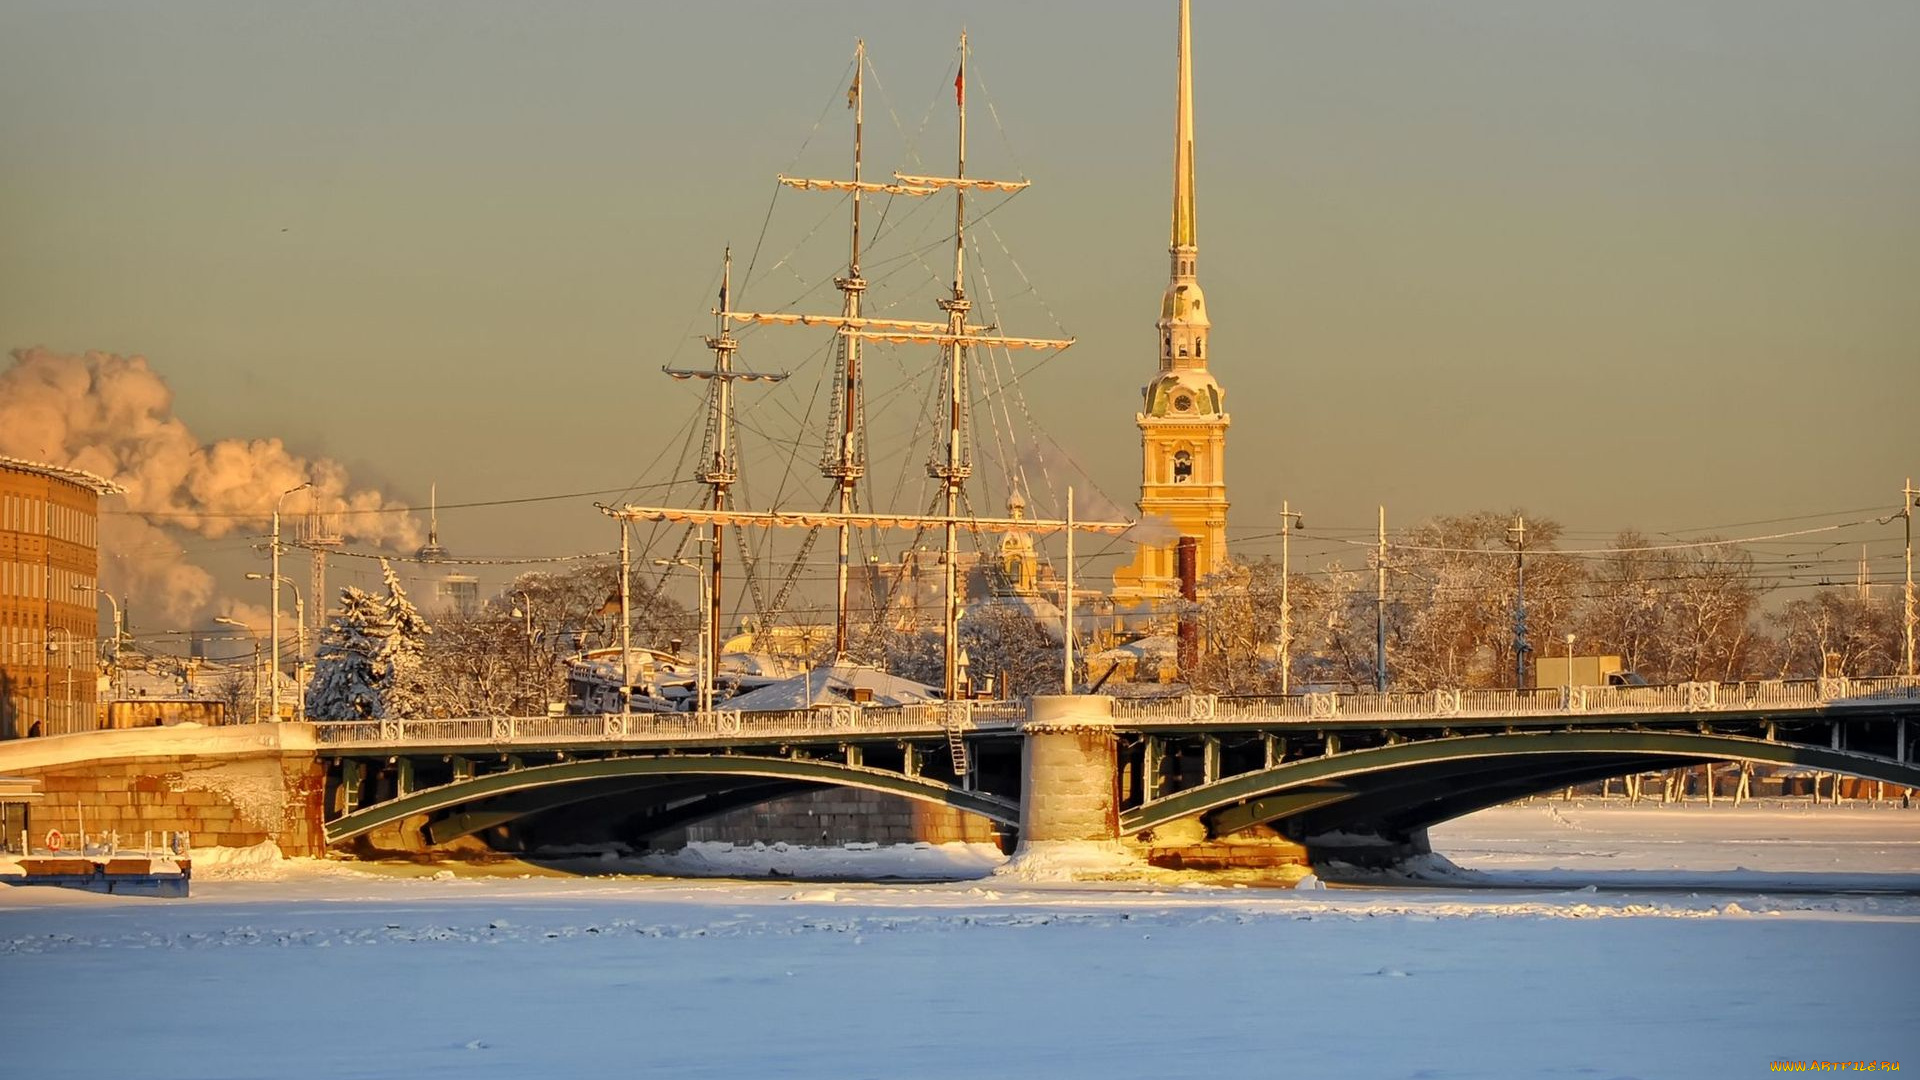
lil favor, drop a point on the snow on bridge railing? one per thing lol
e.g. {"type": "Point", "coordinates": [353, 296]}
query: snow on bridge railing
{"type": "Point", "coordinates": [928, 718]}
{"type": "Point", "coordinates": [936, 717]}
{"type": "Point", "coordinates": [1678, 698]}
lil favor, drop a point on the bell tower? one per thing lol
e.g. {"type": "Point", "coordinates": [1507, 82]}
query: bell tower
{"type": "Point", "coordinates": [1183, 420]}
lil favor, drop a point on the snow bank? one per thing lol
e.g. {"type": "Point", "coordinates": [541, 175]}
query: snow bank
{"type": "Point", "coordinates": [1429, 868]}
{"type": "Point", "coordinates": [259, 860]}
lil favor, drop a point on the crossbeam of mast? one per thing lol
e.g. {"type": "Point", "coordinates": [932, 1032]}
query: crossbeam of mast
{"type": "Point", "coordinates": [963, 182]}
{"type": "Point", "coordinates": [809, 184]}
{"type": "Point", "coordinates": [807, 519]}
{"type": "Point", "coordinates": [900, 331]}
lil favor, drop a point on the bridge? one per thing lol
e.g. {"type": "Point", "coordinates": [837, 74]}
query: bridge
{"type": "Point", "coordinates": [1357, 777]}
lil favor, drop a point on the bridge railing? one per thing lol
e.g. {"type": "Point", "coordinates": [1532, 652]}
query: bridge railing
{"type": "Point", "coordinates": [941, 717]}
{"type": "Point", "coordinates": [675, 727]}
{"type": "Point", "coordinates": [1678, 698]}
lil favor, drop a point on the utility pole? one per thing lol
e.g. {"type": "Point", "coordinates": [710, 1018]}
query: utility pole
{"type": "Point", "coordinates": [1517, 536]}
{"type": "Point", "coordinates": [1380, 609]}
{"type": "Point", "coordinates": [626, 619]}
{"type": "Point", "coordinates": [1909, 498]}
{"type": "Point", "coordinates": [1289, 521]}
{"type": "Point", "coordinates": [1067, 675]}
{"type": "Point", "coordinates": [274, 587]}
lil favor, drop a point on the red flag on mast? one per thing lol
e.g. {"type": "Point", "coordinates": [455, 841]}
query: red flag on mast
{"type": "Point", "coordinates": [960, 87]}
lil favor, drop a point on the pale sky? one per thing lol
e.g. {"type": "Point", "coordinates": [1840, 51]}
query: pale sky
{"type": "Point", "coordinates": [1649, 264]}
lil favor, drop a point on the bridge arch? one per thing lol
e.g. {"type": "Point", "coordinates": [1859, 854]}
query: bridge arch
{"type": "Point", "coordinates": [753, 778]}
{"type": "Point", "coordinates": [1412, 785]}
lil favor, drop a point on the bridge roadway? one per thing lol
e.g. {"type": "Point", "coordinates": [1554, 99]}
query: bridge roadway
{"type": "Point", "coordinates": [1352, 776]}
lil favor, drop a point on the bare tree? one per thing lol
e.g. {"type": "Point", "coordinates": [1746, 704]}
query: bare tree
{"type": "Point", "coordinates": [1676, 615]}
{"type": "Point", "coordinates": [480, 665]}
{"type": "Point", "coordinates": [1838, 632]}
{"type": "Point", "coordinates": [1239, 617]}
{"type": "Point", "coordinates": [1454, 588]}
{"type": "Point", "coordinates": [580, 608]}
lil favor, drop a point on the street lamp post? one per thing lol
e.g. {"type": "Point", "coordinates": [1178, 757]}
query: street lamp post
{"type": "Point", "coordinates": [525, 612]}
{"type": "Point", "coordinates": [1569, 670]}
{"type": "Point", "coordinates": [67, 709]}
{"type": "Point", "coordinates": [299, 639]}
{"type": "Point", "coordinates": [1289, 521]}
{"type": "Point", "coordinates": [225, 621]}
{"type": "Point", "coordinates": [275, 589]}
{"type": "Point", "coordinates": [703, 684]}
{"type": "Point", "coordinates": [119, 630]}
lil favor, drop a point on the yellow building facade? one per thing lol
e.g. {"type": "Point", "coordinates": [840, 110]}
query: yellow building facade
{"type": "Point", "coordinates": [1183, 419]}
{"type": "Point", "coordinates": [49, 611]}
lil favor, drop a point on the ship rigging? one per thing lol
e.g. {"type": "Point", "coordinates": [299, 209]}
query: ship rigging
{"type": "Point", "coordinates": [844, 459]}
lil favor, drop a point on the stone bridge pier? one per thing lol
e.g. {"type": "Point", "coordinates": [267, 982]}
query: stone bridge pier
{"type": "Point", "coordinates": [1069, 772]}
{"type": "Point", "coordinates": [1075, 778]}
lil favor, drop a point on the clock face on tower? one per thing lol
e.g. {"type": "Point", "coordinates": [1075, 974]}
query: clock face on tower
{"type": "Point", "coordinates": [1182, 403]}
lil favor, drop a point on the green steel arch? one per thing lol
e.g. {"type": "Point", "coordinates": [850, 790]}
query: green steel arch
{"type": "Point", "coordinates": [1469, 761]}
{"type": "Point", "coordinates": [449, 796]}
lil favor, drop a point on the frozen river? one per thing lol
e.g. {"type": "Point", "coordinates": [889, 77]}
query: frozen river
{"type": "Point", "coordinates": [1602, 943]}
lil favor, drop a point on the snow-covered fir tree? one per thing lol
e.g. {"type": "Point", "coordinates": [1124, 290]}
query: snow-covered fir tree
{"type": "Point", "coordinates": [406, 690]}
{"type": "Point", "coordinates": [369, 663]}
{"type": "Point", "coordinates": [350, 670]}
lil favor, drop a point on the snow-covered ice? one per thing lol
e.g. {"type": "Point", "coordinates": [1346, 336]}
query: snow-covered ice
{"type": "Point", "coordinates": [298, 968]}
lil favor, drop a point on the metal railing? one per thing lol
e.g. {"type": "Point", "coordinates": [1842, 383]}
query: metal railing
{"type": "Point", "coordinates": [932, 718]}
{"type": "Point", "coordinates": [940, 717]}
{"type": "Point", "coordinates": [1680, 698]}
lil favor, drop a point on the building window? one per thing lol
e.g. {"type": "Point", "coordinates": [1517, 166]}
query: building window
{"type": "Point", "coordinates": [1182, 466]}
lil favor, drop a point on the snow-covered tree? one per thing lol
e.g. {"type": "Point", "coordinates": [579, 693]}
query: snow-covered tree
{"type": "Point", "coordinates": [369, 664]}
{"type": "Point", "coordinates": [406, 690]}
{"type": "Point", "coordinates": [350, 670]}
{"type": "Point", "coordinates": [1839, 632]}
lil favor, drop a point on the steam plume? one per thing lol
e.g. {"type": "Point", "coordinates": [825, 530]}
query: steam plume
{"type": "Point", "coordinates": [113, 415]}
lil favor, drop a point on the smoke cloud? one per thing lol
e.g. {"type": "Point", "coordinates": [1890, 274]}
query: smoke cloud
{"type": "Point", "coordinates": [113, 415]}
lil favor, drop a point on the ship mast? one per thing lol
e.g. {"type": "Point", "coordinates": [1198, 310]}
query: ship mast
{"type": "Point", "coordinates": [719, 457]}
{"type": "Point", "coordinates": [845, 461]}
{"type": "Point", "coordinates": [953, 472]}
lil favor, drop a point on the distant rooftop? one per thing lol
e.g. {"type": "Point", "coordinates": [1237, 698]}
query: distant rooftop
{"type": "Point", "coordinates": [99, 485]}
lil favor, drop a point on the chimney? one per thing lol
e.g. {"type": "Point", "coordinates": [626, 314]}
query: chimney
{"type": "Point", "coordinates": [1189, 562]}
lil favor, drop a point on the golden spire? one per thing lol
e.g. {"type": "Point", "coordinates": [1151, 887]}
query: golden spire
{"type": "Point", "coordinates": [1186, 225]}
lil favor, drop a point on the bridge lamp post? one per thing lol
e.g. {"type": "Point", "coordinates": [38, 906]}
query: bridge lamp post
{"type": "Point", "coordinates": [225, 621]}
{"type": "Point", "coordinates": [276, 593]}
{"type": "Point", "coordinates": [703, 683]}
{"type": "Point", "coordinates": [1289, 521]}
{"type": "Point", "coordinates": [299, 640]}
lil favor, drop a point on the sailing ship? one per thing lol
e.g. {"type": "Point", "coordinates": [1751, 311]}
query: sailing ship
{"type": "Point", "coordinates": [647, 680]}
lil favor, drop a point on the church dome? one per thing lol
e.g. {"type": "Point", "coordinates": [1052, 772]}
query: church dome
{"type": "Point", "coordinates": [1189, 393]}
{"type": "Point", "coordinates": [1184, 302]}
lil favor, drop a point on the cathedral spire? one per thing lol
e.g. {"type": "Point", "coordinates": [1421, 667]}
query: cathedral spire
{"type": "Point", "coordinates": [1183, 419]}
{"type": "Point", "coordinates": [1186, 224]}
